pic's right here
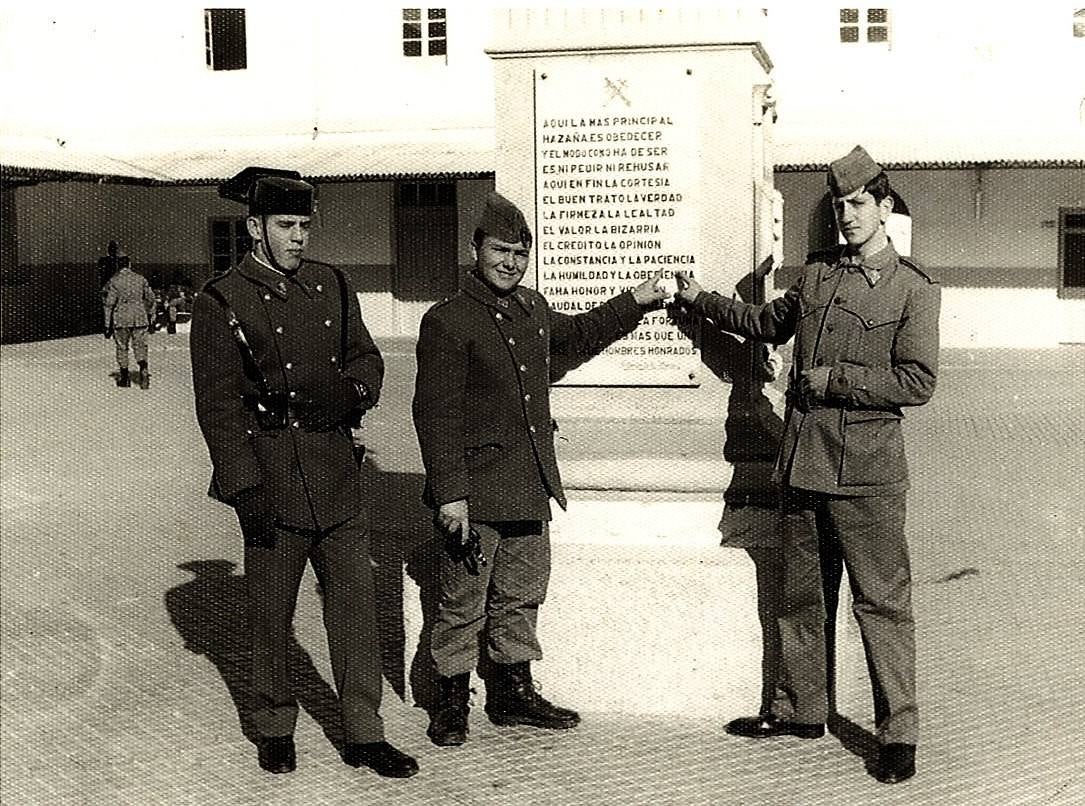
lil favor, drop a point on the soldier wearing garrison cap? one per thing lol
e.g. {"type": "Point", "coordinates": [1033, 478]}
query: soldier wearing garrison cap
{"type": "Point", "coordinates": [865, 327]}
{"type": "Point", "coordinates": [282, 368]}
{"type": "Point", "coordinates": [486, 358]}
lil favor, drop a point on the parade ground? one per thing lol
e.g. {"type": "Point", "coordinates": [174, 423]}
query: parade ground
{"type": "Point", "coordinates": [124, 659]}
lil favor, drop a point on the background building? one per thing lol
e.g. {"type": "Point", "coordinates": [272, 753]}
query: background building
{"type": "Point", "coordinates": [118, 124]}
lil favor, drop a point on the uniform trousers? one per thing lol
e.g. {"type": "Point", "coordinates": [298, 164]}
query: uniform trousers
{"type": "Point", "coordinates": [137, 337]}
{"type": "Point", "coordinates": [341, 561]}
{"type": "Point", "coordinates": [869, 531]}
{"type": "Point", "coordinates": [501, 603]}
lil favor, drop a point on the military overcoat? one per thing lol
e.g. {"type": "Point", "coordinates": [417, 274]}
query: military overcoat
{"type": "Point", "coordinates": [874, 323]}
{"type": "Point", "coordinates": [292, 325]}
{"type": "Point", "coordinates": [482, 394]}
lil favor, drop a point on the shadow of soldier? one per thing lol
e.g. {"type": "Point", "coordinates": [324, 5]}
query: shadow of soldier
{"type": "Point", "coordinates": [209, 613]}
{"type": "Point", "coordinates": [402, 536]}
{"type": "Point", "coordinates": [753, 429]}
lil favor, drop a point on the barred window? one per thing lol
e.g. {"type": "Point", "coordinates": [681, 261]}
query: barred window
{"type": "Point", "coordinates": [425, 32]}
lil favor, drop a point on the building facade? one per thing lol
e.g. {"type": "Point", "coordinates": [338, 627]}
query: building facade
{"type": "Point", "coordinates": [117, 128]}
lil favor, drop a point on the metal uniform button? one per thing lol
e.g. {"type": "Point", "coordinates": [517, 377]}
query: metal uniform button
{"type": "Point", "coordinates": [527, 397]}
{"type": "Point", "coordinates": [289, 365]}
{"type": "Point", "coordinates": [818, 361]}
{"type": "Point", "coordinates": [293, 394]}
{"type": "Point", "coordinates": [498, 317]}
{"type": "Point", "coordinates": [267, 296]}
{"type": "Point", "coordinates": [830, 328]}
{"type": "Point", "coordinates": [335, 359]}
{"type": "Point", "coordinates": [542, 332]}
{"type": "Point", "coordinates": [523, 368]}
{"type": "Point", "coordinates": [279, 330]}
{"type": "Point", "coordinates": [870, 322]}
{"type": "Point", "coordinates": [512, 341]}
{"type": "Point", "coordinates": [295, 424]}
{"type": "Point", "coordinates": [531, 428]}
{"type": "Point", "coordinates": [319, 287]}
{"type": "Point", "coordinates": [327, 323]}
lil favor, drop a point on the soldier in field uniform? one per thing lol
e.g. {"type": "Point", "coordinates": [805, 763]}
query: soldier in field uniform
{"type": "Point", "coordinates": [865, 324]}
{"type": "Point", "coordinates": [486, 358]}
{"type": "Point", "coordinates": [282, 367]}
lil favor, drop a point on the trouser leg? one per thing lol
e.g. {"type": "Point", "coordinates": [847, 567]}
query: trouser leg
{"type": "Point", "coordinates": [139, 344]}
{"type": "Point", "coordinates": [518, 584]}
{"type": "Point", "coordinates": [342, 564]}
{"type": "Point", "coordinates": [871, 531]}
{"type": "Point", "coordinates": [121, 337]}
{"type": "Point", "coordinates": [769, 571]}
{"type": "Point", "coordinates": [802, 620]}
{"type": "Point", "coordinates": [272, 577]}
{"type": "Point", "coordinates": [461, 609]}
{"type": "Point", "coordinates": [832, 569]}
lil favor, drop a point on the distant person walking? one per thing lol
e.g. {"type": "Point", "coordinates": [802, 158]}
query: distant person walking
{"type": "Point", "coordinates": [128, 306]}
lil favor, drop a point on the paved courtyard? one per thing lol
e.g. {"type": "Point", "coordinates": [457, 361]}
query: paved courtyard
{"type": "Point", "coordinates": [123, 656]}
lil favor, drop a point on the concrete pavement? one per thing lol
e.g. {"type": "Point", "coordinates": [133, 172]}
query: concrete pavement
{"type": "Point", "coordinates": [123, 659]}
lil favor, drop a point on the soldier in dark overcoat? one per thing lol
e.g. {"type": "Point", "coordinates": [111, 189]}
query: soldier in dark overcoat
{"type": "Point", "coordinates": [865, 325]}
{"type": "Point", "coordinates": [282, 367]}
{"type": "Point", "coordinates": [481, 408]}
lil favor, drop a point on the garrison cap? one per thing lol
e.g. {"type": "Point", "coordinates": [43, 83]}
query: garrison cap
{"type": "Point", "coordinates": [503, 220]}
{"type": "Point", "coordinates": [852, 171]}
{"type": "Point", "coordinates": [270, 191]}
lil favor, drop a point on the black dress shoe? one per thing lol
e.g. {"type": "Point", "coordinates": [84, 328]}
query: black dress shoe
{"type": "Point", "coordinates": [896, 763]}
{"type": "Point", "coordinates": [276, 754]}
{"type": "Point", "coordinates": [380, 757]}
{"type": "Point", "coordinates": [765, 726]}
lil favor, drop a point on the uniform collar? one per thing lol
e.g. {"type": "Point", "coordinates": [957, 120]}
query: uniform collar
{"type": "Point", "coordinates": [872, 267]}
{"type": "Point", "coordinates": [475, 288]}
{"type": "Point", "coordinates": [274, 281]}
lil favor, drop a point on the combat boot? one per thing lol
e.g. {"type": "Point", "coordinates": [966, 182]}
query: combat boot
{"type": "Point", "coordinates": [448, 720]}
{"type": "Point", "coordinates": [122, 377]}
{"type": "Point", "coordinates": [511, 699]}
{"type": "Point", "coordinates": [144, 376]}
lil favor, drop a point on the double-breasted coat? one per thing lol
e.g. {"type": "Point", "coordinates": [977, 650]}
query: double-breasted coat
{"type": "Point", "coordinates": [482, 394]}
{"type": "Point", "coordinates": [292, 324]}
{"type": "Point", "coordinates": [875, 325]}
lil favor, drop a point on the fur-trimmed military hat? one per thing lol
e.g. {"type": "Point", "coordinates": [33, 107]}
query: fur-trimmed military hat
{"type": "Point", "coordinates": [270, 191]}
{"type": "Point", "coordinates": [852, 172]}
{"type": "Point", "coordinates": [503, 220]}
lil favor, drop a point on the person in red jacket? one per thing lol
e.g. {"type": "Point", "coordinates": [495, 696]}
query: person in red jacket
{"type": "Point", "coordinates": [481, 410]}
{"type": "Point", "coordinates": [865, 325]}
{"type": "Point", "coordinates": [282, 367]}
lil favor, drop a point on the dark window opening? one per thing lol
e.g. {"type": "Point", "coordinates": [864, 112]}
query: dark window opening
{"type": "Point", "coordinates": [224, 38]}
{"type": "Point", "coordinates": [429, 37]}
{"type": "Point", "coordinates": [426, 240]}
{"type": "Point", "coordinates": [1072, 253]}
{"type": "Point", "coordinates": [230, 242]}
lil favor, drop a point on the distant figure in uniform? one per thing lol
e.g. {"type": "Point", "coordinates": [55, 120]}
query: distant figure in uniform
{"type": "Point", "coordinates": [865, 324]}
{"type": "Point", "coordinates": [282, 367]}
{"type": "Point", "coordinates": [128, 305]}
{"type": "Point", "coordinates": [481, 408]}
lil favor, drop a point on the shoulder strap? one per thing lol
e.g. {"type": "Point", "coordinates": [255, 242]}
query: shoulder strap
{"type": "Point", "coordinates": [248, 361]}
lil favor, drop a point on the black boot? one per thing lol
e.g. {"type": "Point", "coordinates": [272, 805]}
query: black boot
{"type": "Point", "coordinates": [122, 377]}
{"type": "Point", "coordinates": [511, 699]}
{"type": "Point", "coordinates": [448, 720]}
{"type": "Point", "coordinates": [277, 754]}
{"type": "Point", "coordinates": [144, 376]}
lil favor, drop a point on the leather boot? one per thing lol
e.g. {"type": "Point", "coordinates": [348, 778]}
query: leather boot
{"type": "Point", "coordinates": [511, 699]}
{"type": "Point", "coordinates": [122, 377]}
{"type": "Point", "coordinates": [144, 376]}
{"type": "Point", "coordinates": [448, 720]}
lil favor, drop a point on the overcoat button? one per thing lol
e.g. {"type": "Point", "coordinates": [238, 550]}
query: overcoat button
{"type": "Point", "coordinates": [531, 428]}
{"type": "Point", "coordinates": [512, 340]}
{"type": "Point", "coordinates": [527, 397]}
{"type": "Point", "coordinates": [319, 287]}
{"type": "Point", "coordinates": [870, 321]}
{"type": "Point", "coordinates": [523, 368]}
{"type": "Point", "coordinates": [542, 332]}
{"type": "Point", "coordinates": [267, 296]}
{"type": "Point", "coordinates": [289, 365]}
{"type": "Point", "coordinates": [279, 329]}
{"type": "Point", "coordinates": [498, 317]}
{"type": "Point", "coordinates": [327, 323]}
{"type": "Point", "coordinates": [335, 359]}
{"type": "Point", "coordinates": [293, 394]}
{"type": "Point", "coordinates": [295, 424]}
